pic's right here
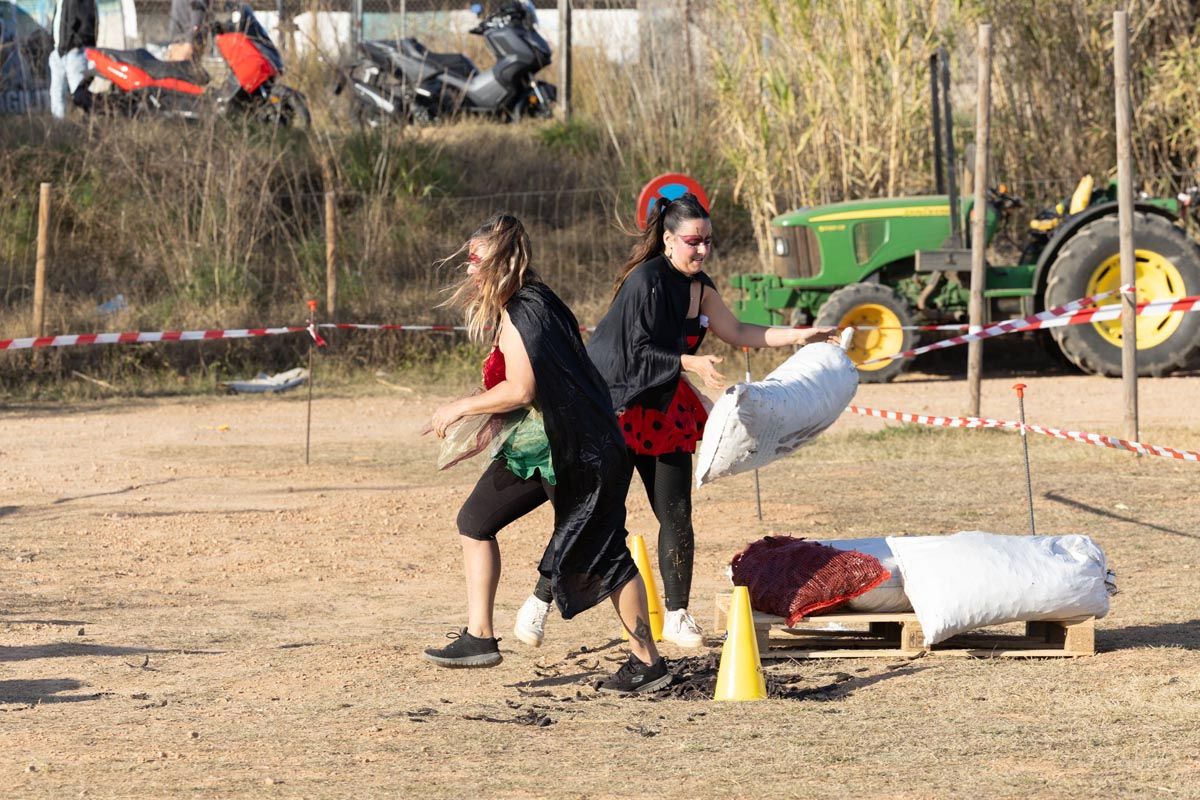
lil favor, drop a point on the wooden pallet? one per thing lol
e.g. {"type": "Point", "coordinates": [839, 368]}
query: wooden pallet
{"type": "Point", "coordinates": [891, 635]}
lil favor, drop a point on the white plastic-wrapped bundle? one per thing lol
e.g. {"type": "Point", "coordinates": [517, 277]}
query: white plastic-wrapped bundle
{"type": "Point", "coordinates": [753, 424]}
{"type": "Point", "coordinates": [974, 579]}
{"type": "Point", "coordinates": [886, 598]}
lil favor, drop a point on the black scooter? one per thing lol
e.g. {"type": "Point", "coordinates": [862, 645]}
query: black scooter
{"type": "Point", "coordinates": [402, 81]}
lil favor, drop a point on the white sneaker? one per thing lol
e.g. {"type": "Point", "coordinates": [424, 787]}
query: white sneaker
{"type": "Point", "coordinates": [531, 622]}
{"type": "Point", "coordinates": [680, 629]}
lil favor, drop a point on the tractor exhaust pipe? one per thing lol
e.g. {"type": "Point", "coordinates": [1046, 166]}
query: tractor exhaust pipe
{"type": "Point", "coordinates": [935, 117]}
{"type": "Point", "coordinates": [956, 237]}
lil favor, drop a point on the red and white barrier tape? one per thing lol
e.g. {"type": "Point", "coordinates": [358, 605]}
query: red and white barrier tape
{"type": "Point", "coordinates": [362, 326]}
{"type": "Point", "coordinates": [1007, 326]}
{"type": "Point", "coordinates": [1113, 311]}
{"type": "Point", "coordinates": [949, 327]}
{"type": "Point", "coordinates": [316, 337]}
{"type": "Point", "coordinates": [956, 326]}
{"type": "Point", "coordinates": [1070, 315]}
{"type": "Point", "coordinates": [1097, 439]}
{"type": "Point", "coordinates": [135, 337]}
{"type": "Point", "coordinates": [1098, 314]}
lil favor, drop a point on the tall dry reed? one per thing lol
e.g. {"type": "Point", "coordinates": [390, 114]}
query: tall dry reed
{"type": "Point", "coordinates": [1055, 112]}
{"type": "Point", "coordinates": [821, 102]}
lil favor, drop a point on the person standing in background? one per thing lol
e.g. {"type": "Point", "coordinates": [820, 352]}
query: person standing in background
{"type": "Point", "coordinates": [74, 28]}
{"type": "Point", "coordinates": [186, 28]}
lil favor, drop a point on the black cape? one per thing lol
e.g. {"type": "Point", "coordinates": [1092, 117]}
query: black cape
{"type": "Point", "coordinates": [637, 345]}
{"type": "Point", "coordinates": [586, 559]}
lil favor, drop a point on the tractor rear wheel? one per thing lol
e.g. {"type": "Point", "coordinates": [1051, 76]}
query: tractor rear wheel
{"type": "Point", "coordinates": [1168, 266]}
{"type": "Point", "coordinates": [880, 314]}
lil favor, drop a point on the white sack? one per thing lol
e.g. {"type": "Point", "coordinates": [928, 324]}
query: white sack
{"type": "Point", "coordinates": [753, 424]}
{"type": "Point", "coordinates": [974, 579]}
{"type": "Point", "coordinates": [886, 598]}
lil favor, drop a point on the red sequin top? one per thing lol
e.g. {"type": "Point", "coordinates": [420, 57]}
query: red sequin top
{"type": "Point", "coordinates": [493, 368]}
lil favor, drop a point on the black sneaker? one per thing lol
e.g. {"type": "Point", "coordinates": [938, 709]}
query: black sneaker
{"type": "Point", "coordinates": [636, 676]}
{"type": "Point", "coordinates": [465, 651]}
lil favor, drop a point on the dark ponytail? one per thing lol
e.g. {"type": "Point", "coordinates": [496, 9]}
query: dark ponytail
{"type": "Point", "coordinates": [667, 215]}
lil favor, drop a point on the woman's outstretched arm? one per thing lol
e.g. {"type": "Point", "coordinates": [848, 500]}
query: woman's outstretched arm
{"type": "Point", "coordinates": [726, 326]}
{"type": "Point", "coordinates": [516, 390]}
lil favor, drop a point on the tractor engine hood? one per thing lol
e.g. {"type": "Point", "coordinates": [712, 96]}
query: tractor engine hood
{"type": "Point", "coordinates": [841, 243]}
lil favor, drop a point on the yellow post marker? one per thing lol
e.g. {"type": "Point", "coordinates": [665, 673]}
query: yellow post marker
{"type": "Point", "coordinates": [740, 676]}
{"type": "Point", "coordinates": [637, 548]}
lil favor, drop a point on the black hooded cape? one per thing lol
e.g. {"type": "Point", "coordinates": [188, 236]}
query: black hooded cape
{"type": "Point", "coordinates": [586, 559]}
{"type": "Point", "coordinates": [637, 345]}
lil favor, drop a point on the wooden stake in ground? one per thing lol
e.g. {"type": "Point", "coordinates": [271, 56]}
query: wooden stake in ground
{"type": "Point", "coordinates": [312, 345]}
{"type": "Point", "coordinates": [43, 245]}
{"type": "Point", "coordinates": [1125, 224]}
{"type": "Point", "coordinates": [330, 242]}
{"type": "Point", "coordinates": [564, 59]}
{"type": "Point", "coordinates": [983, 111]}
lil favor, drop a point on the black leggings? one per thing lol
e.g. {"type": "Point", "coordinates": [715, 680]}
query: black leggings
{"type": "Point", "coordinates": [500, 497]}
{"type": "Point", "coordinates": [668, 483]}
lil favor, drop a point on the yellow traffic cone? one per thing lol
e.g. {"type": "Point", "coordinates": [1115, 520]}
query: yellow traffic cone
{"type": "Point", "coordinates": [740, 676]}
{"type": "Point", "coordinates": [637, 548]}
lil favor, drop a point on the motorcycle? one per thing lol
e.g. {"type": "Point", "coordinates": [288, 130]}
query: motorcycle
{"type": "Point", "coordinates": [402, 81]}
{"type": "Point", "coordinates": [143, 83]}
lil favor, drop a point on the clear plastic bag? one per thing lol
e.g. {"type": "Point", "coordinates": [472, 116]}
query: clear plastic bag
{"type": "Point", "coordinates": [478, 433]}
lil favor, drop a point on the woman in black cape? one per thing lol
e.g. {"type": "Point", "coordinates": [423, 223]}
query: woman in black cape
{"type": "Point", "coordinates": [539, 359]}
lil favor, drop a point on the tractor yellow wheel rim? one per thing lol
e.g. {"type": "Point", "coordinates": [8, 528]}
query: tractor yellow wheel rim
{"type": "Point", "coordinates": [882, 335]}
{"type": "Point", "coordinates": [1157, 279]}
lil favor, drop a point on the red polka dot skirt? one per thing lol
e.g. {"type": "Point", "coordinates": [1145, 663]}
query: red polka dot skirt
{"type": "Point", "coordinates": [649, 432]}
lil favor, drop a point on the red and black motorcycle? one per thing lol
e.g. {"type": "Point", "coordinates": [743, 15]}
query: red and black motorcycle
{"type": "Point", "coordinates": [145, 84]}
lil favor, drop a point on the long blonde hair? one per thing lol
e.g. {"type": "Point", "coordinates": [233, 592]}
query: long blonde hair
{"type": "Point", "coordinates": [505, 270]}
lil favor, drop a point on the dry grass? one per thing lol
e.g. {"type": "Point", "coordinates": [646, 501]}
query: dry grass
{"type": "Point", "coordinates": [818, 107]}
{"type": "Point", "coordinates": [190, 610]}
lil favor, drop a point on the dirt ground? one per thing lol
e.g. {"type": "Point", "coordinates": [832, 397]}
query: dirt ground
{"type": "Point", "coordinates": [190, 611]}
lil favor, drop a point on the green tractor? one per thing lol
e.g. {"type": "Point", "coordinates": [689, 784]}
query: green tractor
{"type": "Point", "coordinates": [889, 264]}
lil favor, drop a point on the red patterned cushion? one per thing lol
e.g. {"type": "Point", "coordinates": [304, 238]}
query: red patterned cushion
{"type": "Point", "coordinates": [795, 578]}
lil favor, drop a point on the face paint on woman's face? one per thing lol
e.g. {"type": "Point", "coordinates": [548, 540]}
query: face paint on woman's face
{"type": "Point", "coordinates": [477, 251]}
{"type": "Point", "coordinates": [690, 245]}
